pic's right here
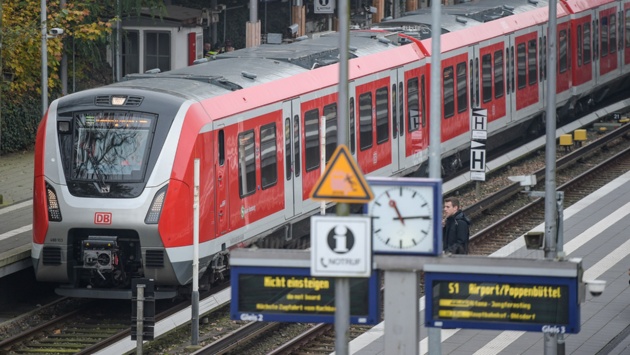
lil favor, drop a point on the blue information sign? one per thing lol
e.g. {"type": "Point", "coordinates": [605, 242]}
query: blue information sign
{"type": "Point", "coordinates": [277, 294]}
{"type": "Point", "coordinates": [502, 302]}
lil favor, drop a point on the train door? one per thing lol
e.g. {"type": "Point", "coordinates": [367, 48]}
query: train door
{"type": "Point", "coordinates": [397, 119]}
{"type": "Point", "coordinates": [292, 166]}
{"type": "Point", "coordinates": [510, 98]}
{"type": "Point", "coordinates": [222, 179]}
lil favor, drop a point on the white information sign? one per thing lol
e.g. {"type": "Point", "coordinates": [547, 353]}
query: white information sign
{"type": "Point", "coordinates": [341, 246]}
{"type": "Point", "coordinates": [324, 6]}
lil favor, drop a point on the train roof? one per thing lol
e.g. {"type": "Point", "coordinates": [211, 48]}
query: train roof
{"type": "Point", "coordinates": [253, 66]}
{"type": "Point", "coordinates": [459, 17]}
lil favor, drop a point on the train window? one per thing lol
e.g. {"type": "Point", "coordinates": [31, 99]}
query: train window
{"type": "Point", "coordinates": [477, 81]}
{"type": "Point", "coordinates": [401, 109]}
{"type": "Point", "coordinates": [449, 92]}
{"type": "Point", "coordinates": [413, 115]}
{"type": "Point", "coordinates": [221, 147]}
{"type": "Point", "coordinates": [595, 40]}
{"type": "Point", "coordinates": [382, 115]}
{"type": "Point", "coordinates": [423, 112]}
{"type": "Point", "coordinates": [499, 83]}
{"type": "Point", "coordinates": [486, 73]}
{"type": "Point", "coordinates": [365, 120]}
{"type": "Point", "coordinates": [541, 58]}
{"type": "Point", "coordinates": [311, 140]}
{"type": "Point", "coordinates": [330, 111]}
{"type": "Point", "coordinates": [352, 125]}
{"type": "Point", "coordinates": [522, 65]}
{"type": "Point", "coordinates": [157, 50]}
{"type": "Point", "coordinates": [531, 62]}
{"type": "Point", "coordinates": [627, 36]}
{"type": "Point", "coordinates": [296, 145]}
{"type": "Point", "coordinates": [613, 33]}
{"type": "Point", "coordinates": [287, 147]}
{"type": "Point", "coordinates": [604, 36]}
{"type": "Point", "coordinates": [462, 89]}
{"type": "Point", "coordinates": [579, 45]}
{"type": "Point", "coordinates": [586, 54]}
{"type": "Point", "coordinates": [472, 83]}
{"type": "Point", "coordinates": [512, 74]}
{"type": "Point", "coordinates": [268, 156]}
{"type": "Point", "coordinates": [246, 163]}
{"type": "Point", "coordinates": [394, 113]}
{"type": "Point", "coordinates": [508, 71]}
{"type": "Point", "coordinates": [544, 49]}
{"type": "Point", "coordinates": [562, 48]}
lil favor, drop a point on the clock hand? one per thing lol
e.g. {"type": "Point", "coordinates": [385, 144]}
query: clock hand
{"type": "Point", "coordinates": [413, 217]}
{"type": "Point", "coordinates": [392, 203]}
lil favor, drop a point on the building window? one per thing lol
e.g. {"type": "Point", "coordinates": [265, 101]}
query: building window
{"type": "Point", "coordinates": [130, 52]}
{"type": "Point", "coordinates": [157, 52]}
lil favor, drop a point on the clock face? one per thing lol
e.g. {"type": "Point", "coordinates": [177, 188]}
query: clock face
{"type": "Point", "coordinates": [402, 218]}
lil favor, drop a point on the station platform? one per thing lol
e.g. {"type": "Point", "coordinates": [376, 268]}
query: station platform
{"type": "Point", "coordinates": [597, 230]}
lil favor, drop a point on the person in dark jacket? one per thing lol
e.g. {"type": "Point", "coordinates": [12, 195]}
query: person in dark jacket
{"type": "Point", "coordinates": [456, 228]}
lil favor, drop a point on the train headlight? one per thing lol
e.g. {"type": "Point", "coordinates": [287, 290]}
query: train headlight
{"type": "Point", "coordinates": [54, 213]}
{"type": "Point", "coordinates": [153, 216]}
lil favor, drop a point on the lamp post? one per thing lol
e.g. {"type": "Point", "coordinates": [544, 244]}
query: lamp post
{"type": "Point", "coordinates": [44, 59]}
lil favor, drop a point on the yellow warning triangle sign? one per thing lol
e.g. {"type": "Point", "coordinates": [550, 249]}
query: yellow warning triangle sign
{"type": "Point", "coordinates": [342, 181]}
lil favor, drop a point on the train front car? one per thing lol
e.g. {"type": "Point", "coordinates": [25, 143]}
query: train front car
{"type": "Point", "coordinates": [103, 164]}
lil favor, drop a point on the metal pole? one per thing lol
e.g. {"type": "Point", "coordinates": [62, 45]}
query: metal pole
{"type": "Point", "coordinates": [64, 61]}
{"type": "Point", "coordinates": [195, 290]}
{"type": "Point", "coordinates": [2, 77]}
{"type": "Point", "coordinates": [342, 285]}
{"type": "Point", "coordinates": [44, 59]}
{"type": "Point", "coordinates": [551, 340]}
{"type": "Point", "coordinates": [118, 43]}
{"type": "Point", "coordinates": [435, 334]}
{"type": "Point", "coordinates": [139, 318]}
{"type": "Point", "coordinates": [322, 165]}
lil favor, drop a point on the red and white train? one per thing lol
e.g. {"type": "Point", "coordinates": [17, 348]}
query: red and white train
{"type": "Point", "coordinates": [113, 189]}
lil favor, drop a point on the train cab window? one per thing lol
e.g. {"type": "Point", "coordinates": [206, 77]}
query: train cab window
{"type": "Point", "coordinates": [462, 88]}
{"type": "Point", "coordinates": [401, 109]}
{"type": "Point", "coordinates": [604, 36]}
{"type": "Point", "coordinates": [613, 33]}
{"type": "Point", "coordinates": [330, 111]}
{"type": "Point", "coordinates": [586, 48]}
{"type": "Point", "coordinates": [627, 35]}
{"type": "Point", "coordinates": [423, 111]}
{"type": "Point", "coordinates": [221, 148]}
{"type": "Point", "coordinates": [413, 115]}
{"type": "Point", "coordinates": [486, 74]}
{"type": "Point", "coordinates": [311, 140]}
{"type": "Point", "coordinates": [563, 58]}
{"type": "Point", "coordinates": [246, 163]}
{"type": "Point", "coordinates": [296, 145]}
{"type": "Point", "coordinates": [352, 125]}
{"type": "Point", "coordinates": [449, 92]}
{"type": "Point", "coordinates": [522, 65]}
{"type": "Point", "coordinates": [268, 156]}
{"type": "Point", "coordinates": [531, 62]}
{"type": "Point", "coordinates": [394, 113]}
{"type": "Point", "coordinates": [382, 115]}
{"type": "Point", "coordinates": [499, 83]}
{"type": "Point", "coordinates": [287, 147]}
{"type": "Point", "coordinates": [365, 121]}
{"type": "Point", "coordinates": [579, 45]}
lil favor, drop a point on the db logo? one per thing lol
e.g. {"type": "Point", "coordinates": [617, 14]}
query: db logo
{"type": "Point", "coordinates": [102, 218]}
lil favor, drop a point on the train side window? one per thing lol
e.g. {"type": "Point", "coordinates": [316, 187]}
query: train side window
{"type": "Point", "coordinates": [382, 115]}
{"type": "Point", "coordinates": [365, 121]}
{"type": "Point", "coordinates": [246, 163]}
{"type": "Point", "coordinates": [472, 84]}
{"type": "Point", "coordinates": [221, 147]}
{"type": "Point", "coordinates": [499, 83]}
{"type": "Point", "coordinates": [545, 57]}
{"type": "Point", "coordinates": [512, 74]}
{"type": "Point", "coordinates": [268, 156]}
{"type": "Point", "coordinates": [586, 55]}
{"type": "Point", "coordinates": [540, 59]}
{"type": "Point", "coordinates": [330, 111]}
{"type": "Point", "coordinates": [423, 111]}
{"type": "Point", "coordinates": [413, 115]}
{"type": "Point", "coordinates": [613, 33]}
{"type": "Point", "coordinates": [296, 145]}
{"type": "Point", "coordinates": [486, 73]}
{"type": "Point", "coordinates": [595, 40]}
{"type": "Point", "coordinates": [462, 89]}
{"type": "Point", "coordinates": [394, 112]}
{"type": "Point", "coordinates": [311, 140]}
{"type": "Point", "coordinates": [287, 147]}
{"type": "Point", "coordinates": [604, 36]}
{"type": "Point", "coordinates": [531, 62]}
{"type": "Point", "coordinates": [522, 65]}
{"type": "Point", "coordinates": [449, 92]}
{"type": "Point", "coordinates": [562, 47]}
{"type": "Point", "coordinates": [627, 35]}
{"type": "Point", "coordinates": [401, 109]}
{"type": "Point", "coordinates": [352, 125]}
{"type": "Point", "coordinates": [507, 71]}
{"type": "Point", "coordinates": [579, 45]}
{"type": "Point", "coordinates": [477, 81]}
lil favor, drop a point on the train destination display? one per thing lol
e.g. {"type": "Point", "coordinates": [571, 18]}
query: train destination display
{"type": "Point", "coordinates": [293, 295]}
{"type": "Point", "coordinates": [504, 302]}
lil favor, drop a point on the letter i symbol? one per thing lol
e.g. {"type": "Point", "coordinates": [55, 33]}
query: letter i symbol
{"type": "Point", "coordinates": [340, 239]}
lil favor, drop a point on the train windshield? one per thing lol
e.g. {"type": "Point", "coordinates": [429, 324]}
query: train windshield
{"type": "Point", "coordinates": [111, 146]}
